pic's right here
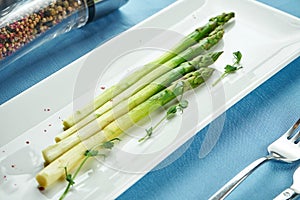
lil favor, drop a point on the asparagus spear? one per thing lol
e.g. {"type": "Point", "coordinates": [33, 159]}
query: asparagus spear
{"type": "Point", "coordinates": [74, 156]}
{"type": "Point", "coordinates": [113, 91]}
{"type": "Point", "coordinates": [54, 151]}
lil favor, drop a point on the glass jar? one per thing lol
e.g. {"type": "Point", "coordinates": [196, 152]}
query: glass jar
{"type": "Point", "coordinates": [26, 24]}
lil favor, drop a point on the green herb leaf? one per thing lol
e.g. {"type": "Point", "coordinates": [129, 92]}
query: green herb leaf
{"type": "Point", "coordinates": [149, 131]}
{"type": "Point", "coordinates": [230, 69]}
{"type": "Point", "coordinates": [91, 153]}
{"type": "Point", "coordinates": [171, 115]}
{"type": "Point", "coordinates": [172, 110]}
{"type": "Point", "coordinates": [109, 144]}
{"type": "Point", "coordinates": [237, 56]}
{"type": "Point", "coordinates": [179, 88]}
{"type": "Point", "coordinates": [183, 104]}
{"type": "Point", "coordinates": [70, 179]}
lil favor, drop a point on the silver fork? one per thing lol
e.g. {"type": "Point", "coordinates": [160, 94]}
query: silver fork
{"type": "Point", "coordinates": [286, 149]}
{"type": "Point", "coordinates": [293, 191]}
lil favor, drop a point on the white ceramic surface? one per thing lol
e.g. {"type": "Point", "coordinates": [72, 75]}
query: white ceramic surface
{"type": "Point", "coordinates": [268, 40]}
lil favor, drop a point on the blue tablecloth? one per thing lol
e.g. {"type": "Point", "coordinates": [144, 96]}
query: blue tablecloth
{"type": "Point", "coordinates": [249, 126]}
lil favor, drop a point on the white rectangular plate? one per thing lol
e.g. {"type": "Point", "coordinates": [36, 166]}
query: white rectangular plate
{"type": "Point", "coordinates": [268, 40]}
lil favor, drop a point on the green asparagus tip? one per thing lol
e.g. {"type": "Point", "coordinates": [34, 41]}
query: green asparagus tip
{"type": "Point", "coordinates": [216, 55]}
{"type": "Point", "coordinates": [207, 72]}
{"type": "Point", "coordinates": [197, 77]}
{"type": "Point", "coordinates": [223, 18]}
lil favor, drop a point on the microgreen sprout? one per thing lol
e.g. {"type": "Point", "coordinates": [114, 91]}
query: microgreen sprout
{"type": "Point", "coordinates": [171, 112]}
{"type": "Point", "coordinates": [229, 69]}
{"type": "Point", "coordinates": [88, 154]}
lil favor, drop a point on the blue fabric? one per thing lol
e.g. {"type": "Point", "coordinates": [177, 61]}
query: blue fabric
{"type": "Point", "coordinates": [249, 126]}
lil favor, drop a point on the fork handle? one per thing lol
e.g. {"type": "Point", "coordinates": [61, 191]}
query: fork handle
{"type": "Point", "coordinates": [288, 194]}
{"type": "Point", "coordinates": [240, 177]}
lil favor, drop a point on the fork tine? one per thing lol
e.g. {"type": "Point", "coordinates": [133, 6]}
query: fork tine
{"type": "Point", "coordinates": [292, 129]}
{"type": "Point", "coordinates": [295, 137]}
{"type": "Point", "coordinates": [296, 124]}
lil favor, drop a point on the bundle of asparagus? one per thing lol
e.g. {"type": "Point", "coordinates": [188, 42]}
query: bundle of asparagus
{"type": "Point", "coordinates": [192, 51]}
{"type": "Point", "coordinates": [54, 151]}
{"type": "Point", "coordinates": [132, 79]}
{"type": "Point", "coordinates": [154, 85]}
